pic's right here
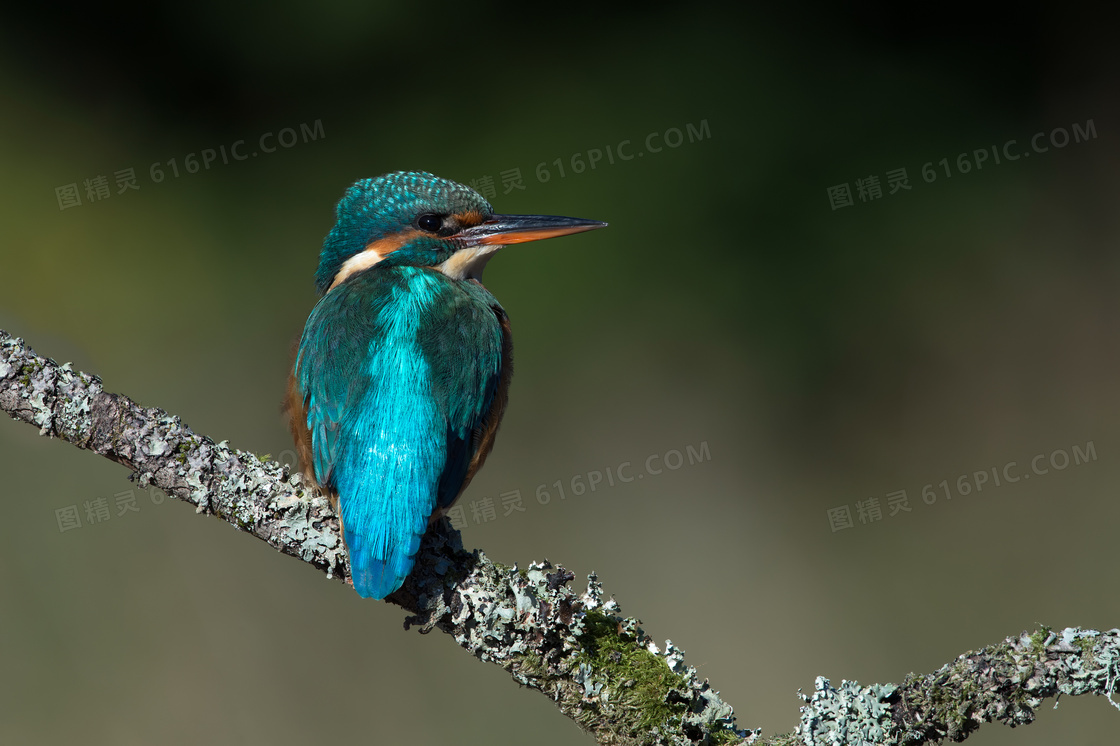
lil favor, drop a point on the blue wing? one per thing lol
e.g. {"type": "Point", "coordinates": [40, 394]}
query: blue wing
{"type": "Point", "coordinates": [398, 369]}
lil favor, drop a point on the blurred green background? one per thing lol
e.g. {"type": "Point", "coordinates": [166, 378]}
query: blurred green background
{"type": "Point", "coordinates": [825, 357]}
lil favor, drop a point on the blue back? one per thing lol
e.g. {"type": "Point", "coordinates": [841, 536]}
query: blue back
{"type": "Point", "coordinates": [397, 368]}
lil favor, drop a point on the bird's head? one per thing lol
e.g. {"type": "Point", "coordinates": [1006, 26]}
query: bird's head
{"type": "Point", "coordinates": [415, 218]}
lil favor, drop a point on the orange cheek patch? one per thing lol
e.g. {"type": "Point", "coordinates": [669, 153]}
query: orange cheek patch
{"type": "Point", "coordinates": [468, 219]}
{"type": "Point", "coordinates": [389, 244]}
{"type": "Point", "coordinates": [373, 253]}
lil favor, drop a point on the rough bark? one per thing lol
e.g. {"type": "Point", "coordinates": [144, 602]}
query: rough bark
{"type": "Point", "coordinates": [598, 667]}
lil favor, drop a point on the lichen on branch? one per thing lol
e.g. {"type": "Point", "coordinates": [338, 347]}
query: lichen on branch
{"type": "Point", "coordinates": [597, 666]}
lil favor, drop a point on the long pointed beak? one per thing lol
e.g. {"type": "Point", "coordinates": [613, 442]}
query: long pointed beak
{"type": "Point", "coordinates": [507, 229]}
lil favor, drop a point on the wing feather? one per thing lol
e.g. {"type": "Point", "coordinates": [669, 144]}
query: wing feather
{"type": "Point", "coordinates": [398, 369]}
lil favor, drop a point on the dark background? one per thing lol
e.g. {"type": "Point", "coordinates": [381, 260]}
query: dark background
{"type": "Point", "coordinates": [823, 356]}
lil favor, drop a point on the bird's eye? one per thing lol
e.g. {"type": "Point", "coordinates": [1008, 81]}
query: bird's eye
{"type": "Point", "coordinates": [429, 222]}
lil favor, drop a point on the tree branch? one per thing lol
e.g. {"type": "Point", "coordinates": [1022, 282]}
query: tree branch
{"type": "Point", "coordinates": [1005, 682]}
{"type": "Point", "coordinates": [598, 667]}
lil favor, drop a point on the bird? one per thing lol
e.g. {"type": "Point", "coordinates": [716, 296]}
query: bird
{"type": "Point", "coordinates": [402, 373]}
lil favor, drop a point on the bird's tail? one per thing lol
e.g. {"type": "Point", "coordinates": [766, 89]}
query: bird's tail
{"type": "Point", "coordinates": [375, 573]}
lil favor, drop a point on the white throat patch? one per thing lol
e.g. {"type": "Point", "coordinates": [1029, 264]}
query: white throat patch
{"type": "Point", "coordinates": [467, 264]}
{"type": "Point", "coordinates": [356, 263]}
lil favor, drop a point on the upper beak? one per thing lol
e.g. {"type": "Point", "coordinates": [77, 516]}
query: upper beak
{"type": "Point", "coordinates": [507, 229]}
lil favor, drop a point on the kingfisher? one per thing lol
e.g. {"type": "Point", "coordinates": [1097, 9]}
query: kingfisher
{"type": "Point", "coordinates": [402, 374]}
